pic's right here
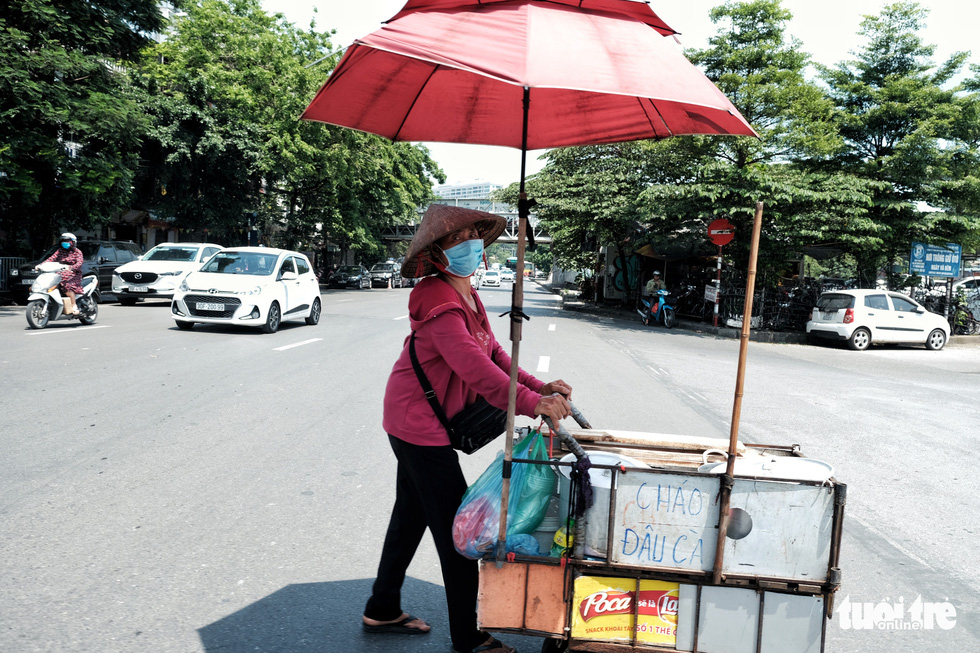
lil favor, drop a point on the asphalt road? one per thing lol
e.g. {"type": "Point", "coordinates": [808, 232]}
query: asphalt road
{"type": "Point", "coordinates": [225, 490]}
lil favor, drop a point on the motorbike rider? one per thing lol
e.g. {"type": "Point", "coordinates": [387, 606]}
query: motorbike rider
{"type": "Point", "coordinates": [653, 285]}
{"type": "Point", "coordinates": [71, 277]}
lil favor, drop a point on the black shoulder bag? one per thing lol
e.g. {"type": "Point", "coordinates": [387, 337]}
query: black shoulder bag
{"type": "Point", "coordinates": [473, 427]}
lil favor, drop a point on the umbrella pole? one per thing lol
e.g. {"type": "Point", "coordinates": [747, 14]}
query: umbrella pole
{"type": "Point", "coordinates": [728, 478]}
{"type": "Point", "coordinates": [516, 315]}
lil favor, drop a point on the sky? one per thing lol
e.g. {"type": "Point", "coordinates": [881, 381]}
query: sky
{"type": "Point", "coordinates": [827, 28]}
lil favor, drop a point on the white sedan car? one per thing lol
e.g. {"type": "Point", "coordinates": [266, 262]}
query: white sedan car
{"type": "Point", "coordinates": [158, 273]}
{"type": "Point", "coordinates": [249, 286]}
{"type": "Point", "coordinates": [861, 317]}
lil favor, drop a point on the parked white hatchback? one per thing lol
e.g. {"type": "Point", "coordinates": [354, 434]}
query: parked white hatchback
{"type": "Point", "coordinates": [863, 317]}
{"type": "Point", "coordinates": [249, 286]}
{"type": "Point", "coordinates": [158, 273]}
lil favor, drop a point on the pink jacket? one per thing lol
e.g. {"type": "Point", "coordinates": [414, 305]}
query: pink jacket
{"type": "Point", "coordinates": [453, 345]}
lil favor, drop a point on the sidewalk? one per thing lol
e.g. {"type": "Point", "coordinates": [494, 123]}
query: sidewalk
{"type": "Point", "coordinates": [756, 335]}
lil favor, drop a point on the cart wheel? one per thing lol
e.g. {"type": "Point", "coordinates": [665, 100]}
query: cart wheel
{"type": "Point", "coordinates": [552, 645]}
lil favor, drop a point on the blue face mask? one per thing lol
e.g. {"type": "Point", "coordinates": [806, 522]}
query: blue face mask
{"type": "Point", "coordinates": [66, 245]}
{"type": "Point", "coordinates": [464, 258]}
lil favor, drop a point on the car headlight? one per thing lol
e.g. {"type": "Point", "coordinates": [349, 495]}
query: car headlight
{"type": "Point", "coordinates": [183, 286]}
{"type": "Point", "coordinates": [171, 274]}
{"type": "Point", "coordinates": [257, 290]}
{"type": "Point", "coordinates": [15, 273]}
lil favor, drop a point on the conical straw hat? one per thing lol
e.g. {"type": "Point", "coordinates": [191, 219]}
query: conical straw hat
{"type": "Point", "coordinates": [440, 220]}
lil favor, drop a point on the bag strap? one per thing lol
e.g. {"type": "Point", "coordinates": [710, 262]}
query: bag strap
{"type": "Point", "coordinates": [430, 394]}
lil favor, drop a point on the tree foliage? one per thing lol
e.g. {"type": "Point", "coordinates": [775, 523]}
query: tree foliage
{"type": "Point", "coordinates": [69, 130]}
{"type": "Point", "coordinates": [907, 129]}
{"type": "Point", "coordinates": [201, 128]}
{"type": "Point", "coordinates": [226, 90]}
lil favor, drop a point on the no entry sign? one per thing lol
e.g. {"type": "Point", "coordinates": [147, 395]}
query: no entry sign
{"type": "Point", "coordinates": [721, 232]}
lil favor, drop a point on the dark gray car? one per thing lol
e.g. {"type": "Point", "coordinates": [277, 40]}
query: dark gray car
{"type": "Point", "coordinates": [350, 276]}
{"type": "Point", "coordinates": [100, 257]}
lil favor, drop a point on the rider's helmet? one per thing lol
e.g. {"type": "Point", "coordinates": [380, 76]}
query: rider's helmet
{"type": "Point", "coordinates": [69, 237]}
{"type": "Point", "coordinates": [656, 273]}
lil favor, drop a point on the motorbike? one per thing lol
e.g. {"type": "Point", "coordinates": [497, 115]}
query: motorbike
{"type": "Point", "coordinates": [652, 313]}
{"type": "Point", "coordinates": [46, 303]}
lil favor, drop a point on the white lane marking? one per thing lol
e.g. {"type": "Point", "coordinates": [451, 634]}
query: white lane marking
{"type": "Point", "coordinates": [401, 317]}
{"type": "Point", "coordinates": [883, 534]}
{"type": "Point", "coordinates": [544, 362]}
{"type": "Point", "coordinates": [76, 329]}
{"type": "Point", "coordinates": [689, 395]}
{"type": "Point", "coordinates": [551, 327]}
{"type": "Point", "coordinates": [297, 344]}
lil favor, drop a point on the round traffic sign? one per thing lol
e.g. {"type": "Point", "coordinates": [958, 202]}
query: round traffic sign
{"type": "Point", "coordinates": [721, 232]}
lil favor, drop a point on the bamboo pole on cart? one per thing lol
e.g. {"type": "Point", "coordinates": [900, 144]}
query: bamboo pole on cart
{"type": "Point", "coordinates": [516, 315]}
{"type": "Point", "coordinates": [728, 480]}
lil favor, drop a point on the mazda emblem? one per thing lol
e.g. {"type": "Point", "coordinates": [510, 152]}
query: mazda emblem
{"type": "Point", "coordinates": [138, 276]}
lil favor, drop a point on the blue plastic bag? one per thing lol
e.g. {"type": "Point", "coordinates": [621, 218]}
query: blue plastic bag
{"type": "Point", "coordinates": [477, 522]}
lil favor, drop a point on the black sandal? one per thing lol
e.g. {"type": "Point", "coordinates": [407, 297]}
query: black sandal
{"type": "Point", "coordinates": [401, 626]}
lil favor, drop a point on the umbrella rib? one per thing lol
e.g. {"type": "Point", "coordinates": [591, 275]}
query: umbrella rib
{"type": "Point", "coordinates": [415, 99]}
{"type": "Point", "coordinates": [659, 115]}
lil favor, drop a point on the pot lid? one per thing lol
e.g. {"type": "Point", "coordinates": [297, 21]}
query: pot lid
{"type": "Point", "coordinates": [791, 468]}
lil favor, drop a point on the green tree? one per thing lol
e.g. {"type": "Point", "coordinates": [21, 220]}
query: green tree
{"type": "Point", "coordinates": [762, 70]}
{"type": "Point", "coordinates": [69, 132]}
{"type": "Point", "coordinates": [226, 89]}
{"type": "Point", "coordinates": [588, 197]}
{"type": "Point", "coordinates": [909, 132]}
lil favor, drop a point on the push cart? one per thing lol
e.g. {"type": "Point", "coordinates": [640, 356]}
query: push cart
{"type": "Point", "coordinates": [691, 544]}
{"type": "Point", "coordinates": [641, 574]}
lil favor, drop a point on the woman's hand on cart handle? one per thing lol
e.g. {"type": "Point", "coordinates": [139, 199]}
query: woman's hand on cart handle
{"type": "Point", "coordinates": [558, 386]}
{"type": "Point", "coordinates": [553, 406]}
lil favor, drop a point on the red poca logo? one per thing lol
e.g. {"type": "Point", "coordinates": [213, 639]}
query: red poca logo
{"type": "Point", "coordinates": [654, 603]}
{"type": "Point", "coordinates": [606, 603]}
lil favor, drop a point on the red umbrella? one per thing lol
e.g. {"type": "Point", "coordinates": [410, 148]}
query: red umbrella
{"type": "Point", "coordinates": [531, 74]}
{"type": "Point", "coordinates": [457, 71]}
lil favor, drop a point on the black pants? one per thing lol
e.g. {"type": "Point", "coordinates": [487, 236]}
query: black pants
{"type": "Point", "coordinates": [429, 488]}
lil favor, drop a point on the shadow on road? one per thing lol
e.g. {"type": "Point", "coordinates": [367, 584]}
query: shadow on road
{"type": "Point", "coordinates": [326, 617]}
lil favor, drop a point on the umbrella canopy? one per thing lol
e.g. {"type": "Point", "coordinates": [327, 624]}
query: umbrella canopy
{"type": "Point", "coordinates": [455, 71]}
{"type": "Point", "coordinates": [530, 74]}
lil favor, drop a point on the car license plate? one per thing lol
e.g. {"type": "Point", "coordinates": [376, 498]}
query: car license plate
{"type": "Point", "coordinates": [209, 306]}
{"type": "Point", "coordinates": [26, 282]}
{"type": "Point", "coordinates": [140, 289]}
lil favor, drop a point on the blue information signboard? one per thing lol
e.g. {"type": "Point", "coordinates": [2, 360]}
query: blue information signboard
{"type": "Point", "coordinates": [935, 260]}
